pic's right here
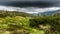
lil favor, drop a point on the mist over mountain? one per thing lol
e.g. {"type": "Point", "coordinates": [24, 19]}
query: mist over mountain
{"type": "Point", "coordinates": [47, 13]}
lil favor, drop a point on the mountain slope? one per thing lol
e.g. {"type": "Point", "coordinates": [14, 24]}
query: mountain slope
{"type": "Point", "coordinates": [13, 13]}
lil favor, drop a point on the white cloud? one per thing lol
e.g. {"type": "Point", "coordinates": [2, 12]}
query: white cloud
{"type": "Point", "coordinates": [28, 9]}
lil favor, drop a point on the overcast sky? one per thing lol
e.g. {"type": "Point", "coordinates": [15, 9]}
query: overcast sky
{"type": "Point", "coordinates": [30, 6]}
{"type": "Point", "coordinates": [31, 3]}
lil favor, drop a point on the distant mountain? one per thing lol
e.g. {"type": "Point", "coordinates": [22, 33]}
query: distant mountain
{"type": "Point", "coordinates": [47, 13]}
{"type": "Point", "coordinates": [15, 13]}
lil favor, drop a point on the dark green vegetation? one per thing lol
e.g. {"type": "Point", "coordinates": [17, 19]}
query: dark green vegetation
{"type": "Point", "coordinates": [17, 23]}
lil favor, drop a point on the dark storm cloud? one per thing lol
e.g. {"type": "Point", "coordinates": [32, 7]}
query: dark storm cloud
{"type": "Point", "coordinates": [17, 0]}
{"type": "Point", "coordinates": [31, 3]}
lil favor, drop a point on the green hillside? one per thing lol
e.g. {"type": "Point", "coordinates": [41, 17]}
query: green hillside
{"type": "Point", "coordinates": [13, 13]}
{"type": "Point", "coordinates": [17, 23]}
